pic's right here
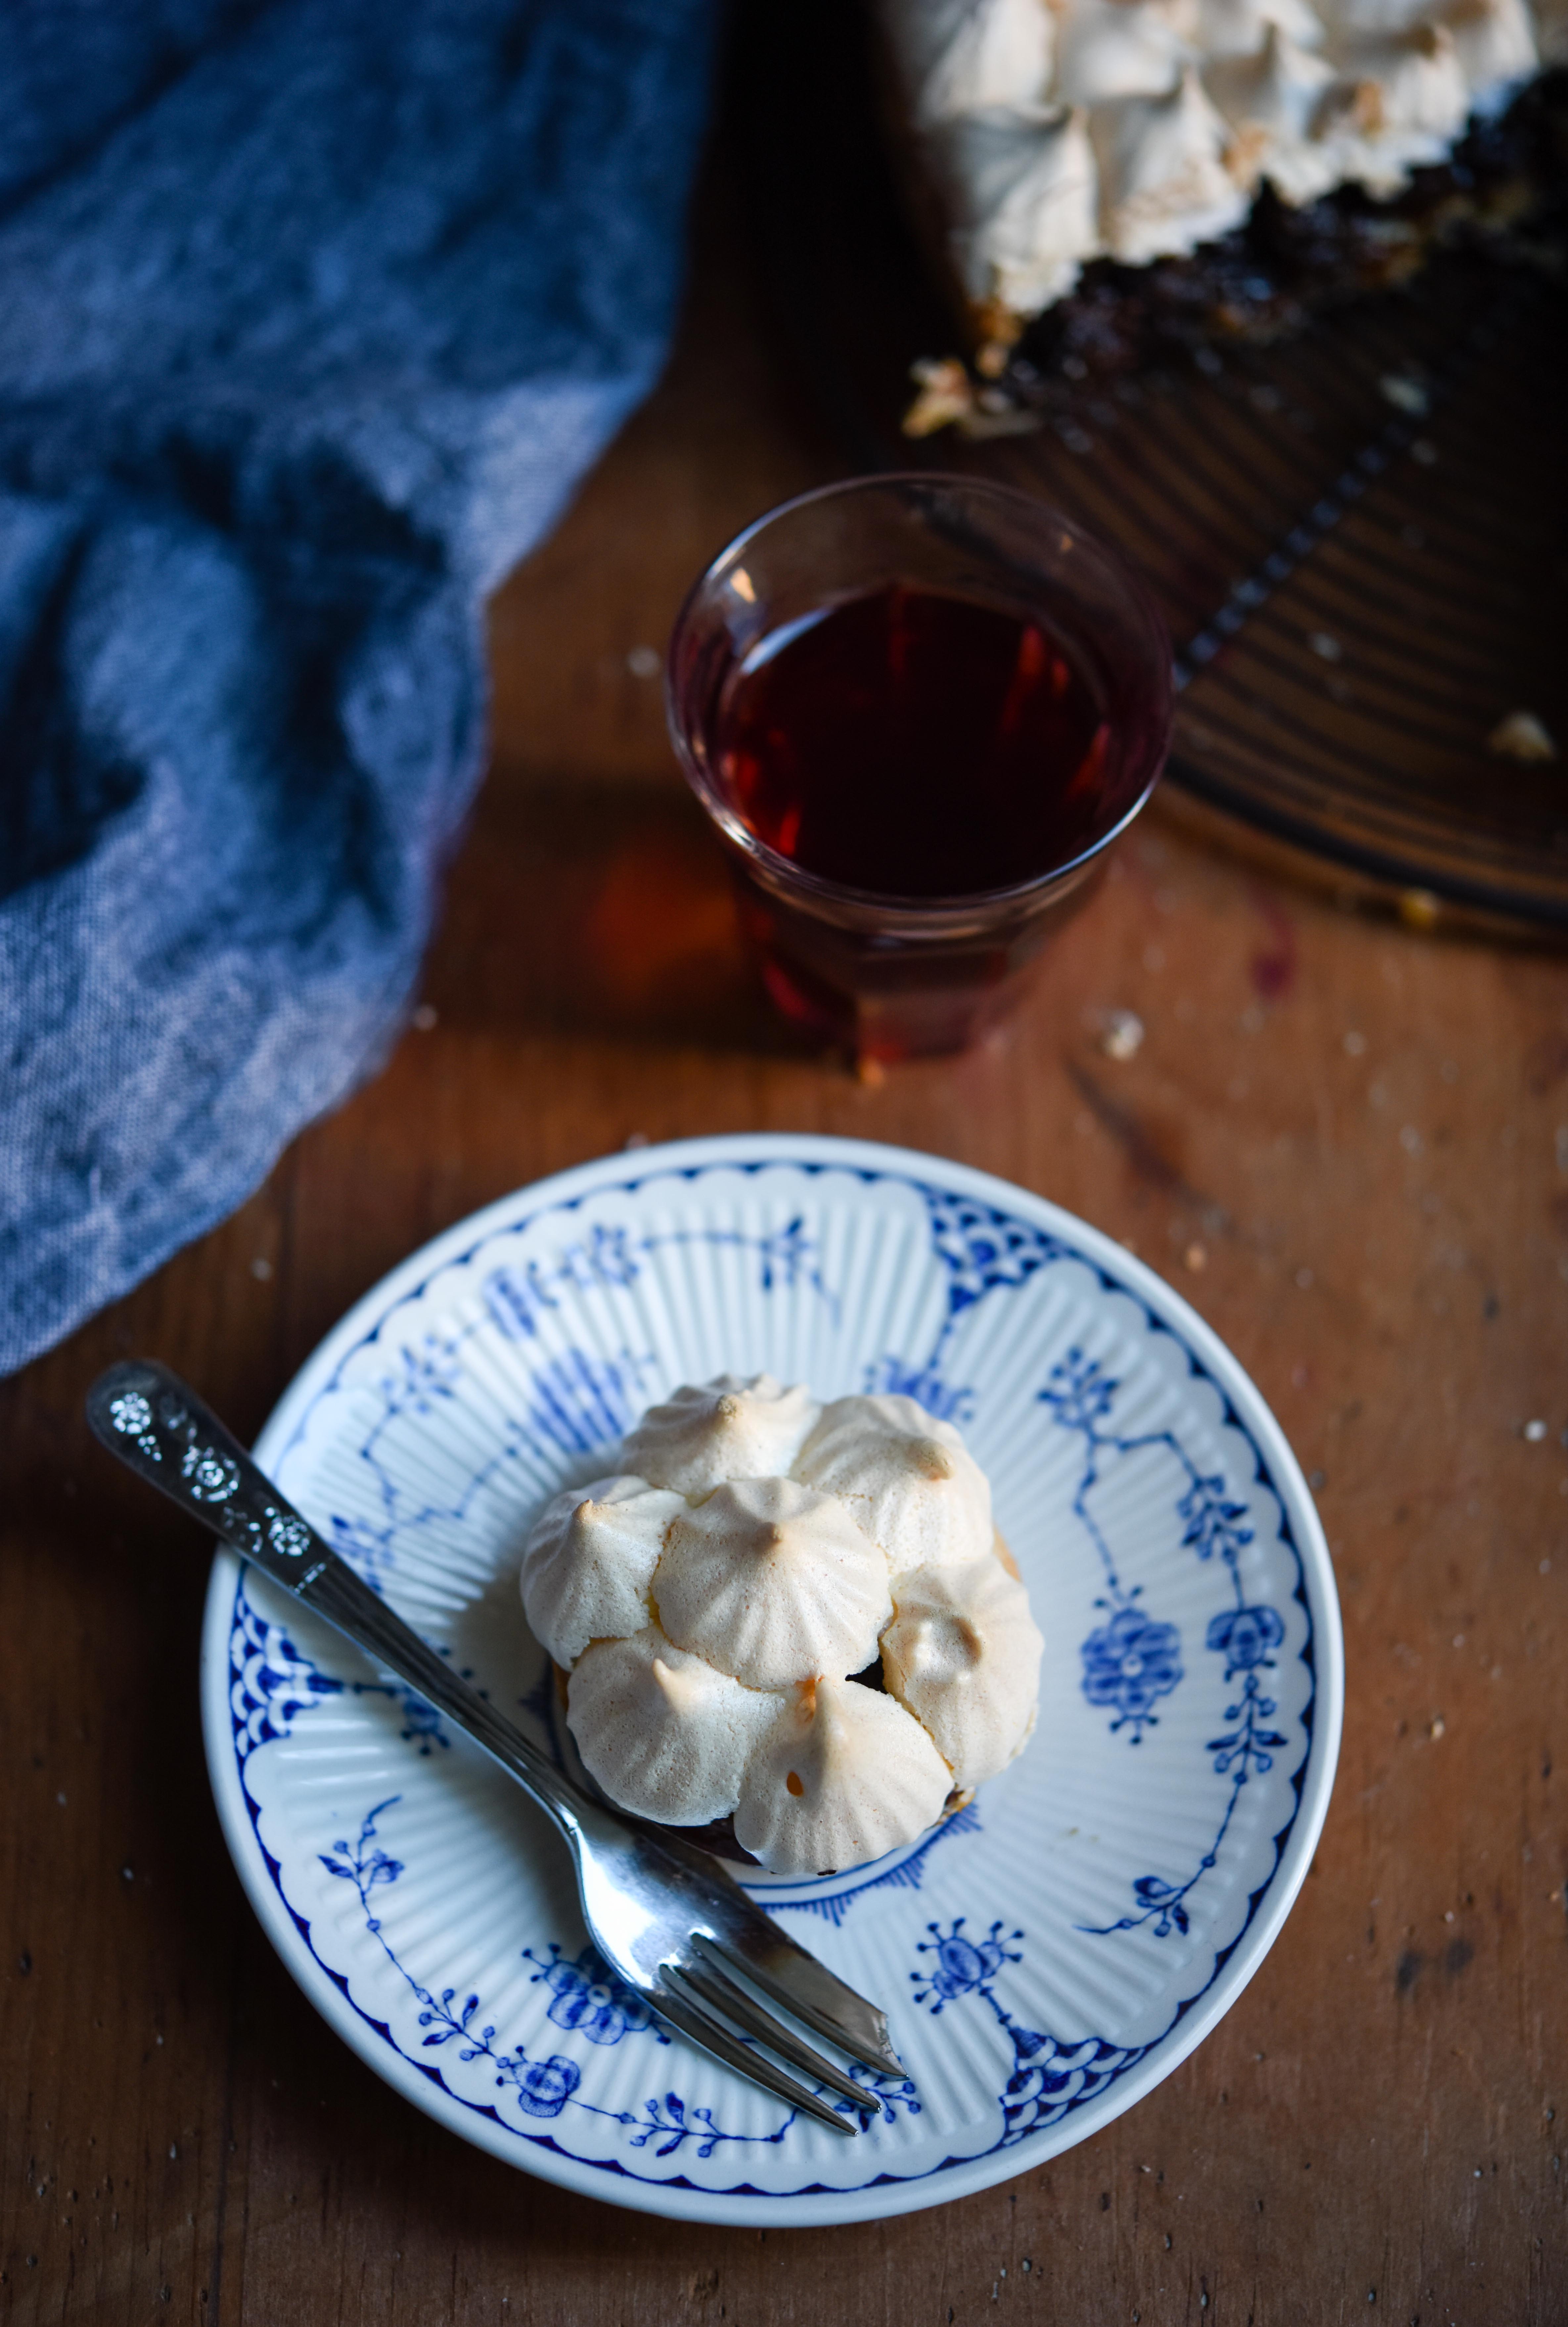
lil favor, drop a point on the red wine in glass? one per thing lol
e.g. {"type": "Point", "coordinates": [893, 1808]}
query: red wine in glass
{"type": "Point", "coordinates": [915, 744]}
{"type": "Point", "coordinates": [918, 709]}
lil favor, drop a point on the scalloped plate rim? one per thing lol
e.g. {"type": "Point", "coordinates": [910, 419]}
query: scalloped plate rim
{"type": "Point", "coordinates": [885, 2197]}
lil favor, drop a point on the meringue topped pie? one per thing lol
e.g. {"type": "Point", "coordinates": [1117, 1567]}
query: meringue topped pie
{"type": "Point", "coordinates": [1107, 186]}
{"type": "Point", "coordinates": [792, 1622]}
{"type": "Point", "coordinates": [1056, 132]}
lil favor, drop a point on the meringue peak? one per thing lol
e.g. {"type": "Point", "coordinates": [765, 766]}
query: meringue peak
{"type": "Point", "coordinates": [1113, 49]}
{"type": "Point", "coordinates": [962, 1655]}
{"type": "Point", "coordinates": [842, 1775]}
{"type": "Point", "coordinates": [909, 1479]}
{"type": "Point", "coordinates": [968, 53]}
{"type": "Point", "coordinates": [665, 1735]}
{"type": "Point", "coordinates": [769, 1578]}
{"type": "Point", "coordinates": [1164, 186]}
{"type": "Point", "coordinates": [589, 1561]}
{"type": "Point", "coordinates": [678, 1689]}
{"type": "Point", "coordinates": [1494, 42]}
{"type": "Point", "coordinates": [1237, 28]}
{"type": "Point", "coordinates": [1273, 101]}
{"type": "Point", "coordinates": [1020, 183]}
{"type": "Point", "coordinates": [727, 1428]}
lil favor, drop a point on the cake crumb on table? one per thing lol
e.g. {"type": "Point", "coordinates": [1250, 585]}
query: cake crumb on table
{"type": "Point", "coordinates": [1419, 909]}
{"type": "Point", "coordinates": [1521, 736]}
{"type": "Point", "coordinates": [1122, 1038]}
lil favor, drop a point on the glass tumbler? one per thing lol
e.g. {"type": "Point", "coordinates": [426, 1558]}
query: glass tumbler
{"type": "Point", "coordinates": [892, 974]}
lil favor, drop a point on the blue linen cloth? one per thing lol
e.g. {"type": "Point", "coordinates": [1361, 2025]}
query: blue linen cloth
{"type": "Point", "coordinates": [311, 315]}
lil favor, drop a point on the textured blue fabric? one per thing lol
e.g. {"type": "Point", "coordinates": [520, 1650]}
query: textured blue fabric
{"type": "Point", "coordinates": [311, 315]}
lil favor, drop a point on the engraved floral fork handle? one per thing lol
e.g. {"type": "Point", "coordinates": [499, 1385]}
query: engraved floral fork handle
{"type": "Point", "coordinates": [666, 1919]}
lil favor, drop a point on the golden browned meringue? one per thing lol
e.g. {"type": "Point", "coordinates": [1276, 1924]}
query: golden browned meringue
{"type": "Point", "coordinates": [590, 1560]}
{"type": "Point", "coordinates": [1495, 46]}
{"type": "Point", "coordinates": [1163, 183]}
{"type": "Point", "coordinates": [909, 1480]}
{"type": "Point", "coordinates": [771, 1581]}
{"type": "Point", "coordinates": [961, 1654]}
{"type": "Point", "coordinates": [1422, 85]}
{"type": "Point", "coordinates": [1022, 195]}
{"type": "Point", "coordinates": [665, 1734]}
{"type": "Point", "coordinates": [981, 53]}
{"type": "Point", "coordinates": [842, 1776]}
{"type": "Point", "coordinates": [727, 1429]}
{"type": "Point", "coordinates": [1273, 101]}
{"type": "Point", "coordinates": [715, 1633]}
{"type": "Point", "coordinates": [1113, 49]}
{"type": "Point", "coordinates": [1238, 28]}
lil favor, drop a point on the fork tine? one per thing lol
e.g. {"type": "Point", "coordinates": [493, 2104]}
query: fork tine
{"type": "Point", "coordinates": [688, 2013]}
{"type": "Point", "coordinates": [726, 1995]}
{"type": "Point", "coordinates": [804, 1986]}
{"type": "Point", "coordinates": [738, 1929]}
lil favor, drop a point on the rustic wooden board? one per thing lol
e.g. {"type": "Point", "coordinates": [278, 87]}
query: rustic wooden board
{"type": "Point", "coordinates": [1348, 1143]}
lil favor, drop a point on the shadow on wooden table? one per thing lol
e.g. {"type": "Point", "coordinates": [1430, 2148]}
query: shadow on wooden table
{"type": "Point", "coordinates": [595, 908]}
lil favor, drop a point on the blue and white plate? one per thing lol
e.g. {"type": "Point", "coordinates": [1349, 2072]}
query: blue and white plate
{"type": "Point", "coordinates": [1047, 1957]}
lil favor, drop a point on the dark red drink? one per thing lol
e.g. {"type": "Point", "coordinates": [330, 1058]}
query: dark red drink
{"type": "Point", "coordinates": [918, 709]}
{"type": "Point", "coordinates": [916, 744]}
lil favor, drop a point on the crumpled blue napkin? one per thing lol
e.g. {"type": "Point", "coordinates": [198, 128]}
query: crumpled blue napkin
{"type": "Point", "coordinates": [311, 315]}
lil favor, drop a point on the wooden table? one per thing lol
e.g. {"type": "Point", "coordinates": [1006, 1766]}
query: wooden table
{"type": "Point", "coordinates": [1345, 1141]}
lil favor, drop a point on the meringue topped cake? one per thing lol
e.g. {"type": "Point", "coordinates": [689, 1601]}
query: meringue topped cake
{"type": "Point", "coordinates": [1052, 137]}
{"type": "Point", "coordinates": [789, 1628]}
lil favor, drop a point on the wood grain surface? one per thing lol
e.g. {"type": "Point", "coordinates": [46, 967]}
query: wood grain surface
{"type": "Point", "coordinates": [1345, 1141]}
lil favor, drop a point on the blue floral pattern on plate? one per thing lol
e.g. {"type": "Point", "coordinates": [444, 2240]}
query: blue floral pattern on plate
{"type": "Point", "coordinates": [485, 1377]}
{"type": "Point", "coordinates": [1131, 1663]}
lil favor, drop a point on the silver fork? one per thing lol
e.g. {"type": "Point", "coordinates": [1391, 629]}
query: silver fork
{"type": "Point", "coordinates": [666, 1919]}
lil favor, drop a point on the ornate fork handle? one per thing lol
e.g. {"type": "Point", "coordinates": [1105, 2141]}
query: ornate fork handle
{"type": "Point", "coordinates": [150, 1420]}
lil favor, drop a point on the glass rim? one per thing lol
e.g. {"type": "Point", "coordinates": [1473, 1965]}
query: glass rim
{"type": "Point", "coordinates": [897, 908]}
